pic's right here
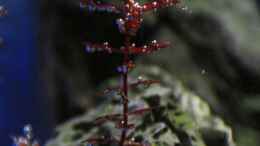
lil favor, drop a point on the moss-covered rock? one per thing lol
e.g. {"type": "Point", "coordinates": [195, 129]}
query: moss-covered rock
{"type": "Point", "coordinates": [182, 118]}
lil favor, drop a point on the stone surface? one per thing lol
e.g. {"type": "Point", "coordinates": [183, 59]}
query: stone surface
{"type": "Point", "coordinates": [187, 119]}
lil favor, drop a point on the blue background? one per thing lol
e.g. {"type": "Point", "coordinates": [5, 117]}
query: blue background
{"type": "Point", "coordinates": [21, 98]}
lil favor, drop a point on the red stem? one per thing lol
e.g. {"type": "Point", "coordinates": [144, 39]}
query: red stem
{"type": "Point", "coordinates": [125, 91]}
{"type": "Point", "coordinates": [132, 18]}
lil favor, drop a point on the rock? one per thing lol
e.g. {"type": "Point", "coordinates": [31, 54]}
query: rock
{"type": "Point", "coordinates": [182, 118]}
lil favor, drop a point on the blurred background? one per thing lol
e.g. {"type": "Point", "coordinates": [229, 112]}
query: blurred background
{"type": "Point", "coordinates": [47, 78]}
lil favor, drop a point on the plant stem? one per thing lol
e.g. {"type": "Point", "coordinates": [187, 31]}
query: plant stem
{"type": "Point", "coordinates": [125, 91]}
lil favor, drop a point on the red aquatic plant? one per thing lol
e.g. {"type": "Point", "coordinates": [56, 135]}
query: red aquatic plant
{"type": "Point", "coordinates": [27, 139]}
{"type": "Point", "coordinates": [131, 18]}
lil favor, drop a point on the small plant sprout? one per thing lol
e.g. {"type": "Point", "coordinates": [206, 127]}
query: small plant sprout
{"type": "Point", "coordinates": [26, 139]}
{"type": "Point", "coordinates": [129, 22]}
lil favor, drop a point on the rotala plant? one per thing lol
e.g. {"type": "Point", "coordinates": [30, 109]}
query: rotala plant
{"type": "Point", "coordinates": [27, 139]}
{"type": "Point", "coordinates": [131, 18]}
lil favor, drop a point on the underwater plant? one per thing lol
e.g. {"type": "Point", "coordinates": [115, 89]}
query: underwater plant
{"type": "Point", "coordinates": [131, 18]}
{"type": "Point", "coordinates": [3, 11]}
{"type": "Point", "coordinates": [27, 139]}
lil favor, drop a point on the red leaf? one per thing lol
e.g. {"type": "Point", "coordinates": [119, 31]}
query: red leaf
{"type": "Point", "coordinates": [96, 47]}
{"type": "Point", "coordinates": [140, 111]}
{"type": "Point", "coordinates": [112, 117]}
{"type": "Point", "coordinates": [121, 125]}
{"type": "Point", "coordinates": [133, 85]}
{"type": "Point", "coordinates": [159, 4]}
{"type": "Point", "coordinates": [92, 5]}
{"type": "Point", "coordinates": [150, 48]}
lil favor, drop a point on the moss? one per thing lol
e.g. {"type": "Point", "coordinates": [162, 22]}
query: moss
{"type": "Point", "coordinates": [186, 113]}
